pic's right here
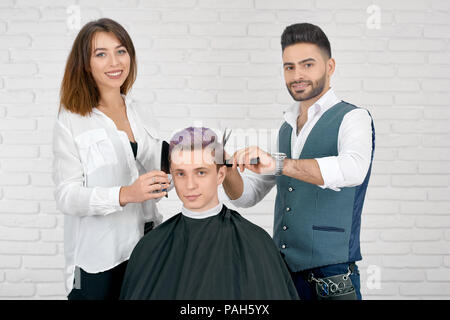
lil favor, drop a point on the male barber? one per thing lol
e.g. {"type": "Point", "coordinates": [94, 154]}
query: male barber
{"type": "Point", "coordinates": [321, 172]}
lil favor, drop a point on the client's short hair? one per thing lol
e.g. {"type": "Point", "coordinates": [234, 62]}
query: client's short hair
{"type": "Point", "coordinates": [197, 138]}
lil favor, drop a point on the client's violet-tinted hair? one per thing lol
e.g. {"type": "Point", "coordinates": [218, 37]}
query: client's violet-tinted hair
{"type": "Point", "coordinates": [197, 138]}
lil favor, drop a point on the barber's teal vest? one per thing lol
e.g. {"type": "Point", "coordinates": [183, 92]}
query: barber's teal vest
{"type": "Point", "coordinates": [316, 227]}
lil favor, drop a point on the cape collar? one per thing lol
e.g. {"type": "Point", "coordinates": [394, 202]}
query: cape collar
{"type": "Point", "coordinates": [202, 215]}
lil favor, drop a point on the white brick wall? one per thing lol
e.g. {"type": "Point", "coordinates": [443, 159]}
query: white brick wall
{"type": "Point", "coordinates": [218, 63]}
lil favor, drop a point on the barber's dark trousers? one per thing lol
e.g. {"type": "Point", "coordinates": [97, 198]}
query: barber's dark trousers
{"type": "Point", "coordinates": [306, 289]}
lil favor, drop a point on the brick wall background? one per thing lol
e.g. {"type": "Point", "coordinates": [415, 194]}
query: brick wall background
{"type": "Point", "coordinates": [218, 63]}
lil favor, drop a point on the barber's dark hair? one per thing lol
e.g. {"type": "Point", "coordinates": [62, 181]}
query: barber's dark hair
{"type": "Point", "coordinates": [305, 33]}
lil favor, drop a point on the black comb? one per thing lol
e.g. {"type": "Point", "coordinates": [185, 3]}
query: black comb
{"type": "Point", "coordinates": [165, 157]}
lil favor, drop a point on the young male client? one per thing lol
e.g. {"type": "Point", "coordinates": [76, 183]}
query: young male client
{"type": "Point", "coordinates": [207, 251]}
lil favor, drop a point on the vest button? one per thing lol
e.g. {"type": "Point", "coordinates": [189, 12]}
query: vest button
{"type": "Point", "coordinates": [283, 246]}
{"type": "Point", "coordinates": [288, 209]}
{"type": "Point", "coordinates": [290, 189]}
{"type": "Point", "coordinates": [284, 228]}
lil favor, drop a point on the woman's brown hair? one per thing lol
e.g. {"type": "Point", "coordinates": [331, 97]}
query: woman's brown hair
{"type": "Point", "coordinates": [79, 92]}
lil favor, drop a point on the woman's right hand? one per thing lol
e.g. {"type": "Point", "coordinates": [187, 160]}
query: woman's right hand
{"type": "Point", "coordinates": [144, 188]}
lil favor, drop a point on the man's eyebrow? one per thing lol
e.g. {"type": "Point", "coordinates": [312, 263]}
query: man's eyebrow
{"type": "Point", "coordinates": [201, 168]}
{"type": "Point", "coordinates": [120, 45]}
{"type": "Point", "coordinates": [307, 60]}
{"type": "Point", "coordinates": [300, 62]}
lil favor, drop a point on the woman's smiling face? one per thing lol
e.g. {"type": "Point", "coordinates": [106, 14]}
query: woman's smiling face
{"type": "Point", "coordinates": [110, 61]}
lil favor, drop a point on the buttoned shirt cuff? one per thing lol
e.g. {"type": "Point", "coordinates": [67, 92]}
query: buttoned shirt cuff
{"type": "Point", "coordinates": [331, 173]}
{"type": "Point", "coordinates": [115, 198]}
{"type": "Point", "coordinates": [105, 200]}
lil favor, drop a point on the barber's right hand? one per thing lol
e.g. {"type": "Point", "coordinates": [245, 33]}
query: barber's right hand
{"type": "Point", "coordinates": [147, 186]}
{"type": "Point", "coordinates": [266, 164]}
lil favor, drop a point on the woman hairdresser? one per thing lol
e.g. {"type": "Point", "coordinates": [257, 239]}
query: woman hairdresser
{"type": "Point", "coordinates": [106, 162]}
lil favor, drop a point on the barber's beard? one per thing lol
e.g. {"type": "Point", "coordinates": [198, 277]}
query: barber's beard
{"type": "Point", "coordinates": [315, 88]}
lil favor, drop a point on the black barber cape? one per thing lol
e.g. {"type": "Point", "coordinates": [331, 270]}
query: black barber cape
{"type": "Point", "coordinates": [222, 257]}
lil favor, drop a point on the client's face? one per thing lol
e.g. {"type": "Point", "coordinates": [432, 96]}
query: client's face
{"type": "Point", "coordinates": [196, 179]}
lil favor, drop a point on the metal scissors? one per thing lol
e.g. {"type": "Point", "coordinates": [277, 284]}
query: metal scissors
{"type": "Point", "coordinates": [225, 138]}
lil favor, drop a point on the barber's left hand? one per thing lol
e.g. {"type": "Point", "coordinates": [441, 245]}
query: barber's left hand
{"type": "Point", "coordinates": [266, 165]}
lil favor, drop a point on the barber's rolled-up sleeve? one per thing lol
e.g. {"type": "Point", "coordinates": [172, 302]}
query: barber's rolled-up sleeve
{"type": "Point", "coordinates": [350, 166]}
{"type": "Point", "coordinates": [256, 187]}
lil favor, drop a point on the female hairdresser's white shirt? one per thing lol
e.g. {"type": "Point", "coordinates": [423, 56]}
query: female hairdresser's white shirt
{"type": "Point", "coordinates": [92, 160]}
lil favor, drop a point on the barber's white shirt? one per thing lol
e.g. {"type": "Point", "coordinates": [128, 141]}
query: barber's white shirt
{"type": "Point", "coordinates": [92, 160]}
{"type": "Point", "coordinates": [347, 169]}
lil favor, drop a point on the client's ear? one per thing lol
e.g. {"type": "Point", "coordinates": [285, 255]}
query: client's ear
{"type": "Point", "coordinates": [221, 173]}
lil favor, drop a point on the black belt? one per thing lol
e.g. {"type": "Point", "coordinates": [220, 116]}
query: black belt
{"type": "Point", "coordinates": [305, 274]}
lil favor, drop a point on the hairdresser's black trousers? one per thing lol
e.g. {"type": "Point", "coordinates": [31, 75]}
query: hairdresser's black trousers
{"type": "Point", "coordinates": [98, 286]}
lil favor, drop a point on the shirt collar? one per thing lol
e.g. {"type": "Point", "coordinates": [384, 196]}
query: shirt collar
{"type": "Point", "coordinates": [325, 102]}
{"type": "Point", "coordinates": [202, 215]}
